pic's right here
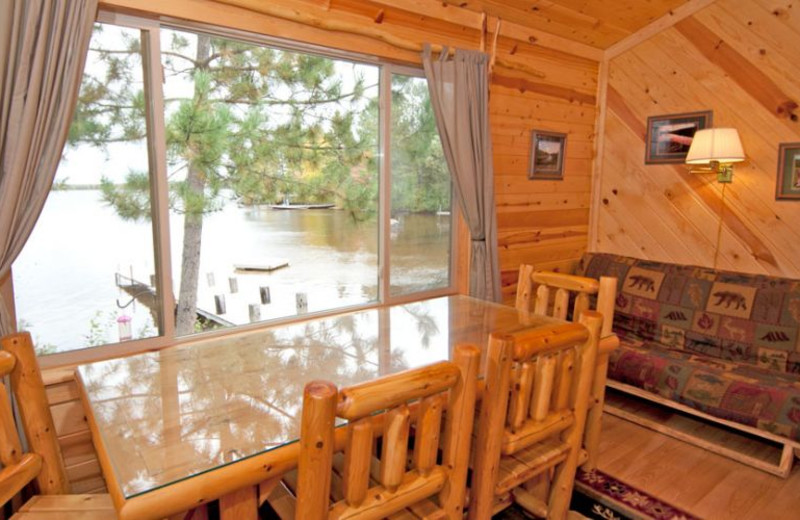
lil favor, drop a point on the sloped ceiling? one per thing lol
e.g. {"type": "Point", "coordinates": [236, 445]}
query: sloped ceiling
{"type": "Point", "coordinates": [598, 23]}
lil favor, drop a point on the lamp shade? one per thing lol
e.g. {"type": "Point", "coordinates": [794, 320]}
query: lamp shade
{"type": "Point", "coordinates": [715, 144]}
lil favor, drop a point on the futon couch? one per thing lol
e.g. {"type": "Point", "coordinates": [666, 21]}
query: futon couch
{"type": "Point", "coordinates": [722, 343]}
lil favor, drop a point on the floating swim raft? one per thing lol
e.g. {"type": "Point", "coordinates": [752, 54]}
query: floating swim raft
{"type": "Point", "coordinates": [269, 266]}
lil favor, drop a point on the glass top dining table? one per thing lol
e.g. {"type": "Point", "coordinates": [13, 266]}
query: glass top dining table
{"type": "Point", "coordinates": [161, 417]}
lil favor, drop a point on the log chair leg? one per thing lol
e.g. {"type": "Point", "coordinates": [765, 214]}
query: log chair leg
{"type": "Point", "coordinates": [239, 505]}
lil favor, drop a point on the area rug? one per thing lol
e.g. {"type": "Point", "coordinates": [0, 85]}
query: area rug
{"type": "Point", "coordinates": [601, 496]}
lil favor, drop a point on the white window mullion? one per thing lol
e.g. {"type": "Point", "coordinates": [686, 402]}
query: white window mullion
{"type": "Point", "coordinates": [385, 184]}
{"type": "Point", "coordinates": [159, 184]}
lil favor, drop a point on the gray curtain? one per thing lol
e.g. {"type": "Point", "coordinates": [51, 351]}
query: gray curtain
{"type": "Point", "coordinates": [43, 46]}
{"type": "Point", "coordinates": [459, 88]}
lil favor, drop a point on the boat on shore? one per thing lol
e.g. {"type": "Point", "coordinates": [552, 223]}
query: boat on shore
{"type": "Point", "coordinates": [301, 206]}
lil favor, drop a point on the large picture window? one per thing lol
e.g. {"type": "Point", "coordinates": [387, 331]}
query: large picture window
{"type": "Point", "coordinates": [212, 180]}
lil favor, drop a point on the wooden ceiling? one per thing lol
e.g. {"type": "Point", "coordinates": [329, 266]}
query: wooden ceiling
{"type": "Point", "coordinates": [598, 23]}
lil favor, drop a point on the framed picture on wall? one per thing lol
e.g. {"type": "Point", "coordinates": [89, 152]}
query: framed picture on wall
{"type": "Point", "coordinates": [670, 136]}
{"type": "Point", "coordinates": [787, 186]}
{"type": "Point", "coordinates": [547, 155]}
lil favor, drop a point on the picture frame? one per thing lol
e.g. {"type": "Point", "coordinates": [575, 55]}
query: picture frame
{"type": "Point", "coordinates": [548, 150]}
{"type": "Point", "coordinates": [670, 136]}
{"type": "Point", "coordinates": [787, 184]}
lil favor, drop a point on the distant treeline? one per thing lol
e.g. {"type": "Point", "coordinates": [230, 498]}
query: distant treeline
{"type": "Point", "coordinates": [62, 186]}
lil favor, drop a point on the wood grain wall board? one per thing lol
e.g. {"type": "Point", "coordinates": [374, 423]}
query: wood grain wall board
{"type": "Point", "coordinates": [638, 195]}
{"type": "Point", "coordinates": [518, 165]}
{"type": "Point", "coordinates": [741, 71]}
{"type": "Point", "coordinates": [510, 102]}
{"type": "Point", "coordinates": [758, 183]}
{"type": "Point", "coordinates": [674, 72]}
{"type": "Point", "coordinates": [550, 65]}
{"type": "Point", "coordinates": [509, 183]}
{"type": "Point", "coordinates": [215, 13]}
{"type": "Point", "coordinates": [669, 19]}
{"type": "Point", "coordinates": [782, 12]}
{"type": "Point", "coordinates": [545, 40]}
{"type": "Point", "coordinates": [751, 31]}
{"type": "Point", "coordinates": [539, 219]}
{"type": "Point", "coordinates": [396, 16]}
{"type": "Point", "coordinates": [613, 237]}
{"type": "Point", "coordinates": [699, 194]}
{"type": "Point", "coordinates": [758, 134]}
{"type": "Point", "coordinates": [521, 125]}
{"type": "Point", "coordinates": [754, 182]}
{"type": "Point", "coordinates": [684, 230]}
{"type": "Point", "coordinates": [629, 16]}
{"type": "Point", "coordinates": [549, 237]}
{"type": "Point", "coordinates": [436, 9]}
{"type": "Point", "coordinates": [463, 17]}
{"type": "Point", "coordinates": [511, 237]}
{"type": "Point", "coordinates": [543, 253]}
{"type": "Point", "coordinates": [503, 78]}
{"type": "Point", "coordinates": [401, 32]}
{"type": "Point", "coordinates": [550, 18]}
{"type": "Point", "coordinates": [518, 202]}
{"type": "Point", "coordinates": [518, 142]}
{"type": "Point", "coordinates": [574, 130]}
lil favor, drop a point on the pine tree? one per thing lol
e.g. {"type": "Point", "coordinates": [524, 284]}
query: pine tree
{"type": "Point", "coordinates": [268, 124]}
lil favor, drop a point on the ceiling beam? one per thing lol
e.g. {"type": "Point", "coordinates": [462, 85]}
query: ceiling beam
{"type": "Point", "coordinates": [473, 19]}
{"type": "Point", "coordinates": [688, 9]}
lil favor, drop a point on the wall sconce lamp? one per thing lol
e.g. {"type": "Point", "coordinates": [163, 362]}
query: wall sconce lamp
{"type": "Point", "coordinates": [718, 149]}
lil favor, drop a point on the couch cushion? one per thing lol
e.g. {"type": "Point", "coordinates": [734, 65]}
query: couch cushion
{"type": "Point", "coordinates": [729, 316]}
{"type": "Point", "coordinates": [738, 392]}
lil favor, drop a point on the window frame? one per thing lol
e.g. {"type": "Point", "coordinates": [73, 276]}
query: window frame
{"type": "Point", "coordinates": [156, 142]}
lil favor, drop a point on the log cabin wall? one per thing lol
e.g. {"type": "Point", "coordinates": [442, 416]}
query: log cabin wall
{"type": "Point", "coordinates": [737, 58]}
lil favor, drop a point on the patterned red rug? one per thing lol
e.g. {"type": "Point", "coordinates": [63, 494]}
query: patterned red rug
{"type": "Point", "coordinates": [601, 496]}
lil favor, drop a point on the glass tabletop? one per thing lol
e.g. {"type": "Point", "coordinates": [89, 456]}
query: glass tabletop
{"type": "Point", "coordinates": [168, 415]}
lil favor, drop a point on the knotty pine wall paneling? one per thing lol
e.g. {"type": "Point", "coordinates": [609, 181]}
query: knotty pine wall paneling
{"type": "Point", "coordinates": [737, 58]}
{"type": "Point", "coordinates": [539, 81]}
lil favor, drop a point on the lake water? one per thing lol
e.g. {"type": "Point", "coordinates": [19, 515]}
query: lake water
{"type": "Point", "coordinates": [64, 280]}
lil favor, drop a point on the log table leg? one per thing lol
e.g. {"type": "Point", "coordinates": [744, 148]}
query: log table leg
{"type": "Point", "coordinates": [239, 505]}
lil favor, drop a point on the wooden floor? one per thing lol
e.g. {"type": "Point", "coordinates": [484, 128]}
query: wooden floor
{"type": "Point", "coordinates": [705, 484]}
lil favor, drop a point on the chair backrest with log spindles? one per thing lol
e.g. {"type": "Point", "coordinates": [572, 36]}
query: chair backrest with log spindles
{"type": "Point", "coordinates": [559, 287]}
{"type": "Point", "coordinates": [533, 413]}
{"type": "Point", "coordinates": [372, 490]}
{"type": "Point", "coordinates": [44, 463]}
{"type": "Point", "coordinates": [553, 291]}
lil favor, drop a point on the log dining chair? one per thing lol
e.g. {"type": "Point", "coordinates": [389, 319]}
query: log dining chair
{"type": "Point", "coordinates": [356, 483]}
{"type": "Point", "coordinates": [532, 416]}
{"type": "Point", "coordinates": [554, 291]}
{"type": "Point", "coordinates": [43, 463]}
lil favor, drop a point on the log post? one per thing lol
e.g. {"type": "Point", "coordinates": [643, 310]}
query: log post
{"type": "Point", "coordinates": [316, 450]}
{"type": "Point", "coordinates": [34, 410]}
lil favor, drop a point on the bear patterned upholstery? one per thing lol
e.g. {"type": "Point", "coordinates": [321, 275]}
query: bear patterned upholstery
{"type": "Point", "coordinates": [720, 342]}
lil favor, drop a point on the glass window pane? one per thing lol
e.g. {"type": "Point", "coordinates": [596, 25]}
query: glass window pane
{"type": "Point", "coordinates": [420, 240]}
{"type": "Point", "coordinates": [73, 280]}
{"type": "Point", "coordinates": [272, 161]}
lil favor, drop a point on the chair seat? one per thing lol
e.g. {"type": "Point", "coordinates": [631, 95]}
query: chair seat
{"type": "Point", "coordinates": [67, 507]}
{"type": "Point", "coordinates": [526, 464]}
